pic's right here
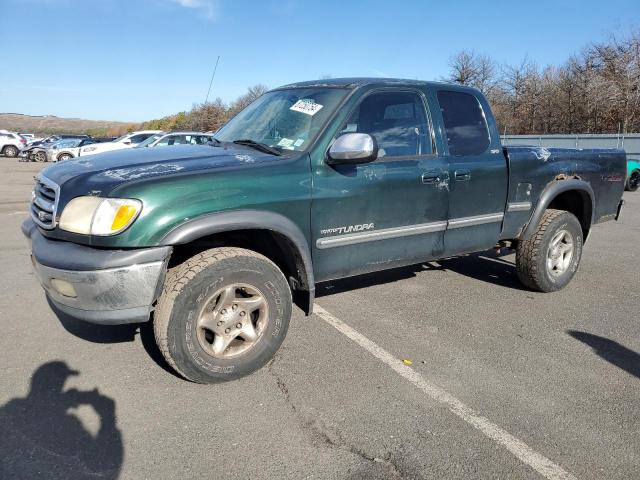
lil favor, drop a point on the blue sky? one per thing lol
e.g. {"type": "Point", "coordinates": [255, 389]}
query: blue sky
{"type": "Point", "coordinates": [140, 59]}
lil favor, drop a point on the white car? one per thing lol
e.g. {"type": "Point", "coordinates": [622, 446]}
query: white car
{"type": "Point", "coordinates": [66, 149]}
{"type": "Point", "coordinates": [11, 143]}
{"type": "Point", "coordinates": [126, 141]}
{"type": "Point", "coordinates": [176, 138]}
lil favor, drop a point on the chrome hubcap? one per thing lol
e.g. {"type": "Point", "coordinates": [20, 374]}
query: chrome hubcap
{"type": "Point", "coordinates": [560, 253]}
{"type": "Point", "coordinates": [232, 320]}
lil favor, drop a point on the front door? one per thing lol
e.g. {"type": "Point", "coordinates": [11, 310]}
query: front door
{"type": "Point", "coordinates": [478, 172]}
{"type": "Point", "coordinates": [389, 212]}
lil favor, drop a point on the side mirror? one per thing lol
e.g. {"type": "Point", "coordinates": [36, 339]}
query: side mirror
{"type": "Point", "coordinates": [353, 148]}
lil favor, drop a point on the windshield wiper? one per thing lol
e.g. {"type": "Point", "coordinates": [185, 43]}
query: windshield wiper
{"type": "Point", "coordinates": [263, 147]}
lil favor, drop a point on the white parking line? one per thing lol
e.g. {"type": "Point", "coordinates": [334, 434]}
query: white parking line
{"type": "Point", "coordinates": [518, 448]}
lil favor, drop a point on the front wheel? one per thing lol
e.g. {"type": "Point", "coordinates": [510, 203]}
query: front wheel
{"type": "Point", "coordinates": [549, 259]}
{"type": "Point", "coordinates": [10, 151]}
{"type": "Point", "coordinates": [633, 182]}
{"type": "Point", "coordinates": [222, 315]}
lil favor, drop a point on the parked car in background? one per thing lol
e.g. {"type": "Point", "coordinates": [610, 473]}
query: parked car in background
{"type": "Point", "coordinates": [66, 149]}
{"type": "Point", "coordinates": [35, 151]}
{"type": "Point", "coordinates": [126, 141]}
{"type": "Point", "coordinates": [176, 138]}
{"type": "Point", "coordinates": [633, 175]}
{"type": "Point", "coordinates": [11, 143]}
{"type": "Point", "coordinates": [55, 138]}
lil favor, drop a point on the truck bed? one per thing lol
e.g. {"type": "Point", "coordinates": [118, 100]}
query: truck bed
{"type": "Point", "coordinates": [532, 169]}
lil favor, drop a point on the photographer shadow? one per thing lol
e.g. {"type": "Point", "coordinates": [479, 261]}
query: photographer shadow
{"type": "Point", "coordinates": [42, 437]}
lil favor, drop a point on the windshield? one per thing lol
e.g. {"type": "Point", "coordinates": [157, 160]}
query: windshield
{"type": "Point", "coordinates": [122, 137]}
{"type": "Point", "coordinates": [149, 140]}
{"type": "Point", "coordinates": [67, 143]}
{"type": "Point", "coordinates": [287, 119]}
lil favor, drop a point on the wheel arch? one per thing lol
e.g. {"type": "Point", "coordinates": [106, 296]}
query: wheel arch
{"type": "Point", "coordinates": [268, 233]}
{"type": "Point", "coordinates": [65, 153]}
{"type": "Point", "coordinates": [572, 195]}
{"type": "Point", "coordinates": [9, 145]}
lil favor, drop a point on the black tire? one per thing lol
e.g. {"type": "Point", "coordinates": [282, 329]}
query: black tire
{"type": "Point", "coordinates": [185, 294]}
{"type": "Point", "coordinates": [10, 151]}
{"type": "Point", "coordinates": [633, 182]}
{"type": "Point", "coordinates": [532, 255]}
{"type": "Point", "coordinates": [40, 157]}
{"type": "Point", "coordinates": [65, 156]}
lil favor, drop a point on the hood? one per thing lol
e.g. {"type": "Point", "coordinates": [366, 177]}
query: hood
{"type": "Point", "coordinates": [105, 171]}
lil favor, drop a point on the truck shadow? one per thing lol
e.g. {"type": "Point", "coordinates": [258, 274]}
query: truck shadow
{"type": "Point", "coordinates": [94, 333]}
{"type": "Point", "coordinates": [44, 432]}
{"type": "Point", "coordinates": [484, 266]}
{"type": "Point", "coordinates": [611, 351]}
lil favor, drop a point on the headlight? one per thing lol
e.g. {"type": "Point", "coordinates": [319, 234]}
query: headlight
{"type": "Point", "coordinates": [89, 149]}
{"type": "Point", "coordinates": [99, 216]}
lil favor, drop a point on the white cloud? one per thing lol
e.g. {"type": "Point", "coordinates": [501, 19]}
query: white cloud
{"type": "Point", "coordinates": [209, 8]}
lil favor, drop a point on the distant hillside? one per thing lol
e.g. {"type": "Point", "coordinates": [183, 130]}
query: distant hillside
{"type": "Point", "coordinates": [49, 124]}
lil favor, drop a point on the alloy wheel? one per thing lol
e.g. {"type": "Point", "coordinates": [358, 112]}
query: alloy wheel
{"type": "Point", "coordinates": [232, 320]}
{"type": "Point", "coordinates": [560, 253]}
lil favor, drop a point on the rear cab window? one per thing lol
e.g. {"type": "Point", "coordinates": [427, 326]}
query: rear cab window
{"type": "Point", "coordinates": [465, 124]}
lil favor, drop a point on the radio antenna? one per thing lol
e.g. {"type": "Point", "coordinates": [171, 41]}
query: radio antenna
{"type": "Point", "coordinates": [211, 82]}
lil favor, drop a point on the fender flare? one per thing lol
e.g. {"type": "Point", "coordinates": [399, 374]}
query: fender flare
{"type": "Point", "coordinates": [552, 191]}
{"type": "Point", "coordinates": [220, 222]}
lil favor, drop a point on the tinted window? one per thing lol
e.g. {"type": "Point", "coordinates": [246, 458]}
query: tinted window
{"type": "Point", "coordinates": [464, 123]}
{"type": "Point", "coordinates": [397, 120]}
{"type": "Point", "coordinates": [140, 138]}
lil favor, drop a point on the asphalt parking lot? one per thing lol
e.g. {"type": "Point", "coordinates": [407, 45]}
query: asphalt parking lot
{"type": "Point", "coordinates": [504, 382]}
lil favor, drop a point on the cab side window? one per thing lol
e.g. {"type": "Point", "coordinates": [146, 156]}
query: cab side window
{"type": "Point", "coordinates": [464, 123]}
{"type": "Point", "coordinates": [398, 122]}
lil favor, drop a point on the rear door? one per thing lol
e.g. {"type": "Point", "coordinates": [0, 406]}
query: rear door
{"type": "Point", "coordinates": [389, 212]}
{"type": "Point", "coordinates": [477, 169]}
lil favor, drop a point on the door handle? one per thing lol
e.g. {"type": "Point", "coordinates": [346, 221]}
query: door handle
{"type": "Point", "coordinates": [463, 175]}
{"type": "Point", "coordinates": [430, 177]}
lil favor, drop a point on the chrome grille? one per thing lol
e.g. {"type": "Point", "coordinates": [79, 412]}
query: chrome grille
{"type": "Point", "coordinates": [44, 202]}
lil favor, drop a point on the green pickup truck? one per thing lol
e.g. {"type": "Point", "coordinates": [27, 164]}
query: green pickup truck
{"type": "Point", "coordinates": [312, 182]}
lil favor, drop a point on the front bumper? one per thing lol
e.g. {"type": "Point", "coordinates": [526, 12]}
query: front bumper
{"type": "Point", "coordinates": [96, 285]}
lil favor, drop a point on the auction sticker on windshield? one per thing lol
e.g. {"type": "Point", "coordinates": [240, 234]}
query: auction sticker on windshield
{"type": "Point", "coordinates": [286, 143]}
{"type": "Point", "coordinates": [306, 106]}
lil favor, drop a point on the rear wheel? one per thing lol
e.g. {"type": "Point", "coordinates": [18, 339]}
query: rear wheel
{"type": "Point", "coordinates": [222, 315]}
{"type": "Point", "coordinates": [633, 182]}
{"type": "Point", "coordinates": [549, 259]}
{"type": "Point", "coordinates": [10, 151]}
{"type": "Point", "coordinates": [64, 156]}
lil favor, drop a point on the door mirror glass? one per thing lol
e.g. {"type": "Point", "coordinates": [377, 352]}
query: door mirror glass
{"type": "Point", "coordinates": [353, 148]}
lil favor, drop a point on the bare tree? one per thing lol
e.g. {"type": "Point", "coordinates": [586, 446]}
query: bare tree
{"type": "Point", "coordinates": [595, 91]}
{"type": "Point", "coordinates": [253, 92]}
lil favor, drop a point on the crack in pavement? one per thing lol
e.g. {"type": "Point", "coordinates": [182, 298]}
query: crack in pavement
{"type": "Point", "coordinates": [326, 436]}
